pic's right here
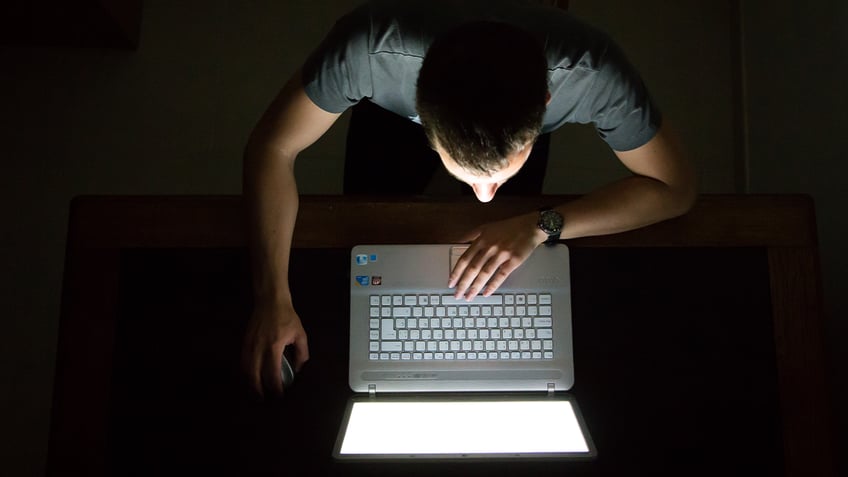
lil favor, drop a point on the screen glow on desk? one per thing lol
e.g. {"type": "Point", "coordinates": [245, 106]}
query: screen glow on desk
{"type": "Point", "coordinates": [506, 427]}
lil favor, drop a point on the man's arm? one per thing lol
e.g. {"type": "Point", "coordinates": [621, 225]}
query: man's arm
{"type": "Point", "coordinates": [291, 124]}
{"type": "Point", "coordinates": [663, 185]}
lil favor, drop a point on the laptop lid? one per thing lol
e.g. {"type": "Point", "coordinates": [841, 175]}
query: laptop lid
{"type": "Point", "coordinates": [402, 286]}
{"type": "Point", "coordinates": [463, 427]}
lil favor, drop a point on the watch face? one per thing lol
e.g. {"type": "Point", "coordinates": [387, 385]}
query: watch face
{"type": "Point", "coordinates": [550, 221]}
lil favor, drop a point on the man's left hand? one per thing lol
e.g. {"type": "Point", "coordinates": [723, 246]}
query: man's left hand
{"type": "Point", "coordinates": [496, 250]}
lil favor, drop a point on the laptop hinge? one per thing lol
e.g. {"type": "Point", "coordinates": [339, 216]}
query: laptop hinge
{"type": "Point", "coordinates": [372, 390]}
{"type": "Point", "coordinates": [551, 389]}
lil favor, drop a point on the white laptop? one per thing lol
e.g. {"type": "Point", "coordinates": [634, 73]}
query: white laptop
{"type": "Point", "coordinates": [441, 378]}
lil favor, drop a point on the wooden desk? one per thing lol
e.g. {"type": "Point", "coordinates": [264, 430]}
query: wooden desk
{"type": "Point", "coordinates": [101, 229]}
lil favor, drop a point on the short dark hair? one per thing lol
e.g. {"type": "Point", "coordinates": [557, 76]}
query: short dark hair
{"type": "Point", "coordinates": [482, 92]}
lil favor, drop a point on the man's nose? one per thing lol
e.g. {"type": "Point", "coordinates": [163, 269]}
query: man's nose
{"type": "Point", "coordinates": [485, 192]}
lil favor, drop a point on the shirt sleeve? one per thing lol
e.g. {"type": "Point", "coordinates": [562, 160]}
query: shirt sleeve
{"type": "Point", "coordinates": [619, 105]}
{"type": "Point", "coordinates": [337, 74]}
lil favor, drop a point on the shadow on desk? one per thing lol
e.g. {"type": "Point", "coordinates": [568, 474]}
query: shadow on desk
{"type": "Point", "coordinates": [675, 356]}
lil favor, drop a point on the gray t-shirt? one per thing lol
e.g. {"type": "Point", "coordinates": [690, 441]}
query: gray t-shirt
{"type": "Point", "coordinates": [376, 51]}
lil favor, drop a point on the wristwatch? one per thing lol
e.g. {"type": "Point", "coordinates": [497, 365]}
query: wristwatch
{"type": "Point", "coordinates": [550, 222]}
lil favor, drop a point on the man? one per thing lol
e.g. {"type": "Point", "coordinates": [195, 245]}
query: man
{"type": "Point", "coordinates": [484, 78]}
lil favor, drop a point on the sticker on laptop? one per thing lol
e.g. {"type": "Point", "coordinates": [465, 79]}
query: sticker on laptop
{"type": "Point", "coordinates": [363, 280]}
{"type": "Point", "coordinates": [376, 281]}
{"type": "Point", "coordinates": [362, 259]}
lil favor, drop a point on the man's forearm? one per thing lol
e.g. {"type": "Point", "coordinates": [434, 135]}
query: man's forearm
{"type": "Point", "coordinates": [271, 198]}
{"type": "Point", "coordinates": [624, 205]}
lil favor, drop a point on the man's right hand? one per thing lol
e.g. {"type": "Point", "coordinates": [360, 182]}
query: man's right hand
{"type": "Point", "coordinates": [271, 329]}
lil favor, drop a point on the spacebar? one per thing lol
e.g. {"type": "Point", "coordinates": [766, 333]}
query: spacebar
{"type": "Point", "coordinates": [478, 300]}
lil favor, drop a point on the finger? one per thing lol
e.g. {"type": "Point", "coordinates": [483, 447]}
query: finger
{"type": "Point", "coordinates": [301, 351]}
{"type": "Point", "coordinates": [486, 271]}
{"type": "Point", "coordinates": [461, 264]}
{"type": "Point", "coordinates": [500, 276]}
{"type": "Point", "coordinates": [272, 371]}
{"type": "Point", "coordinates": [470, 274]}
{"type": "Point", "coordinates": [251, 362]}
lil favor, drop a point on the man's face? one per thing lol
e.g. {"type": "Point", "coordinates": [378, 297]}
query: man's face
{"type": "Point", "coordinates": [485, 186]}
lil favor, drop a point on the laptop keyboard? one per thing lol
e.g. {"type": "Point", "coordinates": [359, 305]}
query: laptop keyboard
{"type": "Point", "coordinates": [514, 326]}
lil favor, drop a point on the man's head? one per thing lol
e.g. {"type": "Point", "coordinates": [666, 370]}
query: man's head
{"type": "Point", "coordinates": [481, 96]}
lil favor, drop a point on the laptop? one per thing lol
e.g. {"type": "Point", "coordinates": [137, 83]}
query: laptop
{"type": "Point", "coordinates": [440, 378]}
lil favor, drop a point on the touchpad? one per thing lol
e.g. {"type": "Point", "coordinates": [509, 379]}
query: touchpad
{"type": "Point", "coordinates": [455, 253]}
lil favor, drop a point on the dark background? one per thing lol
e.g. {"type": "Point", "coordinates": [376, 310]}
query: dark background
{"type": "Point", "coordinates": [754, 87]}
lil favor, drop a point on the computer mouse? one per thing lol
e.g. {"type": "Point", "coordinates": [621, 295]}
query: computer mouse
{"type": "Point", "coordinates": [288, 372]}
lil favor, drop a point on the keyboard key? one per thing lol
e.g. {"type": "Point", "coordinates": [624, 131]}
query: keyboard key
{"type": "Point", "coordinates": [386, 300]}
{"type": "Point", "coordinates": [545, 310]}
{"type": "Point", "coordinates": [542, 322]}
{"type": "Point", "coordinates": [549, 355]}
{"type": "Point", "coordinates": [402, 312]}
{"type": "Point", "coordinates": [531, 299]}
{"type": "Point", "coordinates": [374, 334]}
{"type": "Point", "coordinates": [509, 299]}
{"type": "Point", "coordinates": [547, 344]}
{"type": "Point", "coordinates": [424, 300]}
{"type": "Point", "coordinates": [520, 300]}
{"type": "Point", "coordinates": [374, 312]}
{"type": "Point", "coordinates": [374, 300]}
{"type": "Point", "coordinates": [391, 346]}
{"type": "Point", "coordinates": [374, 324]}
{"type": "Point", "coordinates": [397, 300]}
{"type": "Point", "coordinates": [544, 333]}
{"type": "Point", "coordinates": [387, 329]}
{"type": "Point", "coordinates": [374, 346]}
{"type": "Point", "coordinates": [478, 300]}
{"type": "Point", "coordinates": [373, 356]}
{"type": "Point", "coordinates": [410, 300]}
{"type": "Point", "coordinates": [394, 356]}
{"type": "Point", "coordinates": [544, 299]}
